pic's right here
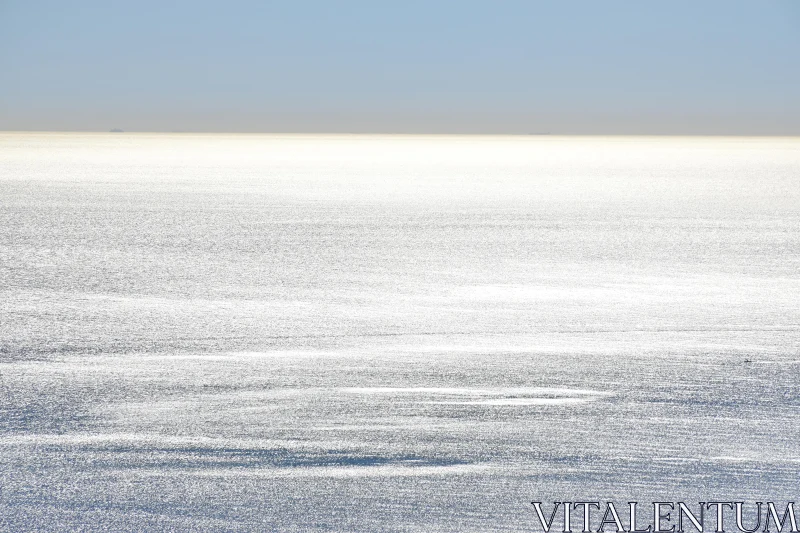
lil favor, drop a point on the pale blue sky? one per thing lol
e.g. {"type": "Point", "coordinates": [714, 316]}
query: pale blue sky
{"type": "Point", "coordinates": [411, 66]}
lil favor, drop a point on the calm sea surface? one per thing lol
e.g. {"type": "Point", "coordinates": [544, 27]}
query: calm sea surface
{"type": "Point", "coordinates": [392, 333]}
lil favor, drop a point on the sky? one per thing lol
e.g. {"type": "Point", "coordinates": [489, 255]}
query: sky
{"type": "Point", "coordinates": [411, 66]}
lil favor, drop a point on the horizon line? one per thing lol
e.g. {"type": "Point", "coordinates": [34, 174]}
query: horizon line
{"type": "Point", "coordinates": [402, 133]}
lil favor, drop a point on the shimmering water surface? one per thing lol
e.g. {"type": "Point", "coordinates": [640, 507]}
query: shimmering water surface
{"type": "Point", "coordinates": [391, 333]}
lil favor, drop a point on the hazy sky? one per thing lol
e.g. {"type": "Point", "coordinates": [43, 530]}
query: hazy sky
{"type": "Point", "coordinates": [401, 66]}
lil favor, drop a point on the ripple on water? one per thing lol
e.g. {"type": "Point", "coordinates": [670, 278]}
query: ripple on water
{"type": "Point", "coordinates": [503, 397]}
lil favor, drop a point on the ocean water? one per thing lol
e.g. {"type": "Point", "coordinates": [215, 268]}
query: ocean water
{"type": "Point", "coordinates": [392, 333]}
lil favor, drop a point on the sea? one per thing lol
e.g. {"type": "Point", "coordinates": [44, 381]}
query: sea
{"type": "Point", "coordinates": [392, 333]}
